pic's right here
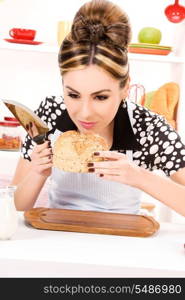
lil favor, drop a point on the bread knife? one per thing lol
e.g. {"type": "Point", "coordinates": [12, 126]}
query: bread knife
{"type": "Point", "coordinates": [33, 125]}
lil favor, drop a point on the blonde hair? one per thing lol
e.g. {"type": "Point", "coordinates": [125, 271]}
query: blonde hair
{"type": "Point", "coordinates": [100, 35]}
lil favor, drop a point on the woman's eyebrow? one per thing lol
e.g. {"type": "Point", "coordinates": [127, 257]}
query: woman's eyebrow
{"type": "Point", "coordinates": [104, 90]}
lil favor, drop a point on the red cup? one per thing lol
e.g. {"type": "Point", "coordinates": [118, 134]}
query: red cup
{"type": "Point", "coordinates": [22, 34]}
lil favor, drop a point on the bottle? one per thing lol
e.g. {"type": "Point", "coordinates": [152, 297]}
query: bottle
{"type": "Point", "coordinates": [8, 213]}
{"type": "Point", "coordinates": [63, 29]}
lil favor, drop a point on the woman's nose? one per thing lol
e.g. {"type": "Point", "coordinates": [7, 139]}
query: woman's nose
{"type": "Point", "coordinates": [86, 111]}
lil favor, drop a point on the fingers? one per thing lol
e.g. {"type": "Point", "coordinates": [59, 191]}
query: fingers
{"type": "Point", "coordinates": [45, 160]}
{"type": "Point", "coordinates": [39, 148]}
{"type": "Point", "coordinates": [45, 152]}
{"type": "Point", "coordinates": [32, 129]}
{"type": "Point", "coordinates": [41, 168]}
{"type": "Point", "coordinates": [111, 162]}
{"type": "Point", "coordinates": [42, 159]}
{"type": "Point", "coordinates": [115, 178]}
{"type": "Point", "coordinates": [104, 165]}
{"type": "Point", "coordinates": [113, 168]}
{"type": "Point", "coordinates": [110, 154]}
{"type": "Point", "coordinates": [111, 172]}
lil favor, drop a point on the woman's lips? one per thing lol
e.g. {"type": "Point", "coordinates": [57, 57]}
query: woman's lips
{"type": "Point", "coordinates": [87, 125]}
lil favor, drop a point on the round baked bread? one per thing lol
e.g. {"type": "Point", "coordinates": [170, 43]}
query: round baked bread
{"type": "Point", "coordinates": [73, 150]}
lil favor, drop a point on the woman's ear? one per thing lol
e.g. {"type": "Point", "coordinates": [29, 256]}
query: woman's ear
{"type": "Point", "coordinates": [63, 87]}
{"type": "Point", "coordinates": [125, 90]}
{"type": "Point", "coordinates": [127, 86]}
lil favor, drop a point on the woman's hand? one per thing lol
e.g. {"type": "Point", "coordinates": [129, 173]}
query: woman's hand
{"type": "Point", "coordinates": [41, 159]}
{"type": "Point", "coordinates": [117, 167]}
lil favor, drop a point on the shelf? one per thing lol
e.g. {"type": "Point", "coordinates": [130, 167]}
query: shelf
{"type": "Point", "coordinates": [53, 49]}
{"type": "Point", "coordinates": [171, 58]}
{"type": "Point", "coordinates": [44, 48]}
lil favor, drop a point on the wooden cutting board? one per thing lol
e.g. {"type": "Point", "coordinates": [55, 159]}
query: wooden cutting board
{"type": "Point", "coordinates": [91, 222]}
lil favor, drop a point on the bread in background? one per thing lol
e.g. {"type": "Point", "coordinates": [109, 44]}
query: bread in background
{"type": "Point", "coordinates": [164, 101]}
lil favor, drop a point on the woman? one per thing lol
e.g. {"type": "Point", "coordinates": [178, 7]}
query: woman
{"type": "Point", "coordinates": [94, 67]}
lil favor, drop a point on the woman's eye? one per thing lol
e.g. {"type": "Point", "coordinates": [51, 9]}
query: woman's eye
{"type": "Point", "coordinates": [102, 97]}
{"type": "Point", "coordinates": [74, 96]}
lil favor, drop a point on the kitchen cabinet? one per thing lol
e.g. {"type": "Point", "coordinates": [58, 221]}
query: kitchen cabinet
{"type": "Point", "coordinates": [44, 253]}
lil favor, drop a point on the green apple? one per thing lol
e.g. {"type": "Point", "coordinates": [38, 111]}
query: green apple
{"type": "Point", "coordinates": [149, 35]}
{"type": "Point", "coordinates": [148, 99]}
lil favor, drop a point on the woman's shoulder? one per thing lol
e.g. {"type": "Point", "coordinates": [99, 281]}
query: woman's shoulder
{"type": "Point", "coordinates": [145, 119]}
{"type": "Point", "coordinates": [50, 109]}
{"type": "Point", "coordinates": [140, 111]}
{"type": "Point", "coordinates": [50, 103]}
{"type": "Point", "coordinates": [147, 124]}
{"type": "Point", "coordinates": [162, 147]}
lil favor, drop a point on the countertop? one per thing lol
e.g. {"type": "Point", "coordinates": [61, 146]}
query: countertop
{"type": "Point", "coordinates": [43, 253]}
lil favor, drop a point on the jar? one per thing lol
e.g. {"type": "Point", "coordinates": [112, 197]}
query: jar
{"type": "Point", "coordinates": [8, 213]}
{"type": "Point", "coordinates": [10, 137]}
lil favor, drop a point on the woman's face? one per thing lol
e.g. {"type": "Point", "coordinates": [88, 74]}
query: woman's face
{"type": "Point", "coordinates": [92, 98]}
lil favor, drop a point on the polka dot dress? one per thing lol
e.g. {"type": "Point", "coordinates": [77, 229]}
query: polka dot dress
{"type": "Point", "coordinates": [161, 146]}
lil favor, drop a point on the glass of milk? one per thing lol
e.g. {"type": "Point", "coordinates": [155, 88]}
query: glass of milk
{"type": "Point", "coordinates": [8, 213]}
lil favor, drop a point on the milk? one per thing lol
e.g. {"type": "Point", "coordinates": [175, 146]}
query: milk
{"type": "Point", "coordinates": [8, 213]}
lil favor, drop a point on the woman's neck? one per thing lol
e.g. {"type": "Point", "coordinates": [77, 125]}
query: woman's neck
{"type": "Point", "coordinates": [108, 133]}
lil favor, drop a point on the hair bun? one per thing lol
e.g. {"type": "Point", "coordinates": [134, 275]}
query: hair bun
{"type": "Point", "coordinates": [119, 34]}
{"type": "Point", "coordinates": [86, 30]}
{"type": "Point", "coordinates": [100, 20]}
{"type": "Point", "coordinates": [97, 31]}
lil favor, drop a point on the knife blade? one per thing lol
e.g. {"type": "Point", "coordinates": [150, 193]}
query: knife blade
{"type": "Point", "coordinates": [33, 125]}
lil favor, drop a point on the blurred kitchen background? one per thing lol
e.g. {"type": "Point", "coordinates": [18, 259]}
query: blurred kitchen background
{"type": "Point", "coordinates": [29, 73]}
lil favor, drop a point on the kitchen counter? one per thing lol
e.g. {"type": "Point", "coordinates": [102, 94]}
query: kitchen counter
{"type": "Point", "coordinates": [42, 253]}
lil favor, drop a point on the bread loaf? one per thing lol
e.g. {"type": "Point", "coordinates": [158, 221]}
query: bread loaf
{"type": "Point", "coordinates": [73, 150]}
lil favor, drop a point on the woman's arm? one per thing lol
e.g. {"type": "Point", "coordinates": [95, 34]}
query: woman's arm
{"type": "Point", "coordinates": [164, 189]}
{"type": "Point", "coordinates": [31, 176]}
{"type": "Point", "coordinates": [119, 168]}
{"type": "Point", "coordinates": [29, 185]}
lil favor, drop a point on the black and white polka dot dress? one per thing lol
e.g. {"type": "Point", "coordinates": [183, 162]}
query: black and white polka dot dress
{"type": "Point", "coordinates": [155, 144]}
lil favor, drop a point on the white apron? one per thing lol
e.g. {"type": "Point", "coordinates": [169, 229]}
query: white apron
{"type": "Point", "coordinates": [86, 191]}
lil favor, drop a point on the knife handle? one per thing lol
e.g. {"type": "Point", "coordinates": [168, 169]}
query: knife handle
{"type": "Point", "coordinates": [39, 139]}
